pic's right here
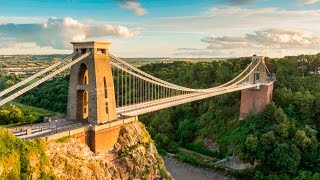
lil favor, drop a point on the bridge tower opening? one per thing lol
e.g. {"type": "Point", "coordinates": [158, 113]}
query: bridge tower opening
{"type": "Point", "coordinates": [255, 100]}
{"type": "Point", "coordinates": [82, 105]}
{"type": "Point", "coordinates": [91, 95]}
{"type": "Point", "coordinates": [83, 75]}
{"type": "Point", "coordinates": [83, 95]}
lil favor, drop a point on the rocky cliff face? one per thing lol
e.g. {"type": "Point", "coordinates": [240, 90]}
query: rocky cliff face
{"type": "Point", "coordinates": [133, 157]}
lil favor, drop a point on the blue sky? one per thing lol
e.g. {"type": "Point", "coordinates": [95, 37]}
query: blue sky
{"type": "Point", "coordinates": [163, 28]}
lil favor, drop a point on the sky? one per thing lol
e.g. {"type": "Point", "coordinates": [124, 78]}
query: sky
{"type": "Point", "coordinates": [163, 28]}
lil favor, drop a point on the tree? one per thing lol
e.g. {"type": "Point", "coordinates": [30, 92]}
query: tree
{"type": "Point", "coordinates": [302, 140]}
{"type": "Point", "coordinates": [285, 158]}
{"type": "Point", "coordinates": [251, 146]}
{"type": "Point", "coordinates": [4, 116]}
{"type": "Point", "coordinates": [282, 129]}
{"type": "Point", "coordinates": [187, 131]}
{"type": "Point", "coordinates": [268, 139]}
{"type": "Point", "coordinates": [15, 114]}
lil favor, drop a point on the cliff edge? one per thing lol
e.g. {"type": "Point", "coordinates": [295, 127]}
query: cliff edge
{"type": "Point", "coordinates": [134, 156]}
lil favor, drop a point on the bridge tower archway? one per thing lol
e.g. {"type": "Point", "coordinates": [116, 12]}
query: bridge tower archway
{"type": "Point", "coordinates": [83, 75]}
{"type": "Point", "coordinates": [82, 94]}
{"type": "Point", "coordinates": [82, 105]}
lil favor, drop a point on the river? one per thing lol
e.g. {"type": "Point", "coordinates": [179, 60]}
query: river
{"type": "Point", "coordinates": [183, 171]}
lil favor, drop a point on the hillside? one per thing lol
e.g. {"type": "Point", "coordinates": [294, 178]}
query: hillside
{"type": "Point", "coordinates": [212, 126]}
{"type": "Point", "coordinates": [284, 139]}
{"type": "Point", "coordinates": [133, 157]}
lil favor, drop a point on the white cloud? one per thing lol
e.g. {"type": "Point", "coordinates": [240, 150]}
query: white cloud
{"type": "Point", "coordinates": [231, 24]}
{"type": "Point", "coordinates": [309, 1]}
{"type": "Point", "coordinates": [21, 20]}
{"type": "Point", "coordinates": [269, 42]}
{"type": "Point", "coordinates": [231, 11]}
{"type": "Point", "coordinates": [238, 32]}
{"type": "Point", "coordinates": [240, 20]}
{"type": "Point", "coordinates": [240, 2]}
{"type": "Point", "coordinates": [134, 6]}
{"type": "Point", "coordinates": [30, 48]}
{"type": "Point", "coordinates": [58, 33]}
{"type": "Point", "coordinates": [113, 30]}
{"type": "Point", "coordinates": [285, 38]}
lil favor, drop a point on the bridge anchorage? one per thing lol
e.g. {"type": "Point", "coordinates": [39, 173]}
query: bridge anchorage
{"type": "Point", "coordinates": [105, 93]}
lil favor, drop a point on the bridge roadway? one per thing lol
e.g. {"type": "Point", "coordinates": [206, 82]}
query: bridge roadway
{"type": "Point", "coordinates": [142, 108]}
{"type": "Point", "coordinates": [64, 127]}
{"type": "Point", "coordinates": [46, 128]}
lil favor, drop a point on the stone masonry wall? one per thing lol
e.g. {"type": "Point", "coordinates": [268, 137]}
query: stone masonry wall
{"type": "Point", "coordinates": [255, 100]}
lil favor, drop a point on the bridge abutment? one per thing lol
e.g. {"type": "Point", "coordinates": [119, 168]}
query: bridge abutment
{"type": "Point", "coordinates": [255, 100]}
{"type": "Point", "coordinates": [99, 138]}
{"type": "Point", "coordinates": [104, 139]}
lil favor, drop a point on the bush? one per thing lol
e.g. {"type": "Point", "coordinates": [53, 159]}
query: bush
{"type": "Point", "coordinates": [199, 147]}
{"type": "Point", "coordinates": [15, 157]}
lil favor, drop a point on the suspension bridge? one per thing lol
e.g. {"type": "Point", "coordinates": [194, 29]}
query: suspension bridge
{"type": "Point", "coordinates": [106, 92]}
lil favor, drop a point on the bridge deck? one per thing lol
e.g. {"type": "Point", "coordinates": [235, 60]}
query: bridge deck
{"type": "Point", "coordinates": [151, 106]}
{"type": "Point", "coordinates": [47, 128]}
{"type": "Point", "coordinates": [64, 127]}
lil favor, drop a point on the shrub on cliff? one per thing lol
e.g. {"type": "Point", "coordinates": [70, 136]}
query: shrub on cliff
{"type": "Point", "coordinates": [21, 159]}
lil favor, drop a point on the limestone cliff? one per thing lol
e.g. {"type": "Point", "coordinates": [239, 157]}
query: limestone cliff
{"type": "Point", "coordinates": [133, 157]}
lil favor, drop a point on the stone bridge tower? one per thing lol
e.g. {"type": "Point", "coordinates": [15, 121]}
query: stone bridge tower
{"type": "Point", "coordinates": [91, 96]}
{"type": "Point", "coordinates": [255, 100]}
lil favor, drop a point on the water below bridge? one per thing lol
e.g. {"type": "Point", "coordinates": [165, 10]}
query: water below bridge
{"type": "Point", "coordinates": [184, 171]}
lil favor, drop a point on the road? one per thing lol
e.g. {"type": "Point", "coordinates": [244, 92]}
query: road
{"type": "Point", "coordinates": [44, 129]}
